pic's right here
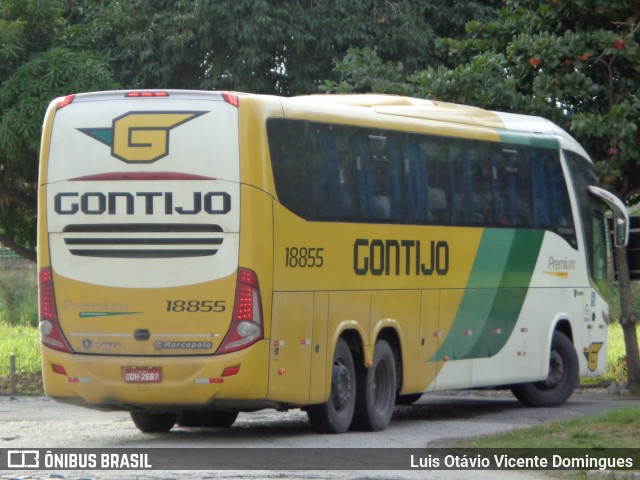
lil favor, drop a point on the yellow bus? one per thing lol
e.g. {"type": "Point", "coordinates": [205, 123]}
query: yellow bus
{"type": "Point", "coordinates": [207, 253]}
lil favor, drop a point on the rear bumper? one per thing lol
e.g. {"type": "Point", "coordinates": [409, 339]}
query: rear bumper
{"type": "Point", "coordinates": [187, 382]}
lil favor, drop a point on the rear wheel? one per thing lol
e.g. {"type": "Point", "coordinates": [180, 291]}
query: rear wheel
{"type": "Point", "coordinates": [376, 391]}
{"type": "Point", "coordinates": [561, 380]}
{"type": "Point", "coordinates": [336, 414]}
{"type": "Point", "coordinates": [153, 422]}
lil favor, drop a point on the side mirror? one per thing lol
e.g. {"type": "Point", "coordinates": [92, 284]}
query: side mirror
{"type": "Point", "coordinates": [621, 231]}
{"type": "Point", "coordinates": [620, 215]}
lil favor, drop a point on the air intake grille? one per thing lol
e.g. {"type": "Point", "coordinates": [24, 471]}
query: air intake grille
{"type": "Point", "coordinates": [146, 240]}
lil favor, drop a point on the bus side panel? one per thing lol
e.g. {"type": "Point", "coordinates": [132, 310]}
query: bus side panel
{"type": "Point", "coordinates": [595, 347]}
{"type": "Point", "coordinates": [450, 301]}
{"type": "Point", "coordinates": [290, 350]}
{"type": "Point", "coordinates": [400, 310]}
{"type": "Point", "coordinates": [426, 370]}
{"type": "Point", "coordinates": [318, 390]}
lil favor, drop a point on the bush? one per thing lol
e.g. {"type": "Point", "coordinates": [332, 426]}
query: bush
{"type": "Point", "coordinates": [19, 296]}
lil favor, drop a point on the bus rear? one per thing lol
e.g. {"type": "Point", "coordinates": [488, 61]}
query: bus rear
{"type": "Point", "coordinates": [142, 302]}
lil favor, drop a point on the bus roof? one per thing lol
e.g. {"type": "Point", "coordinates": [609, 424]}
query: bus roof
{"type": "Point", "coordinates": [409, 108]}
{"type": "Point", "coordinates": [422, 109]}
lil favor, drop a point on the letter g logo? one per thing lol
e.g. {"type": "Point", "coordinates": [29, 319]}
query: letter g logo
{"type": "Point", "coordinates": [140, 137]}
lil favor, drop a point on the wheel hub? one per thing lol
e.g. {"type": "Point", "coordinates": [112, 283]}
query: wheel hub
{"type": "Point", "coordinates": [342, 385]}
{"type": "Point", "coordinates": [556, 370]}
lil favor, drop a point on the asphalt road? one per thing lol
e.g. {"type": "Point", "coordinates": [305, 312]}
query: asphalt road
{"type": "Point", "coordinates": [38, 422]}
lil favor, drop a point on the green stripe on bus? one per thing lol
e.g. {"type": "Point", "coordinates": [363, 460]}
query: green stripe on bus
{"type": "Point", "coordinates": [511, 294]}
{"type": "Point", "coordinates": [494, 295]}
{"type": "Point", "coordinates": [527, 139]}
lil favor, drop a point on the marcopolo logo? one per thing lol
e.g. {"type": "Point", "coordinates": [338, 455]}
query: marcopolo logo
{"type": "Point", "coordinates": [140, 137]}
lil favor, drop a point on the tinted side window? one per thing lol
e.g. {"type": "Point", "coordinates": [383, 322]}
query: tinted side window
{"type": "Point", "coordinates": [355, 174]}
{"type": "Point", "coordinates": [314, 169]}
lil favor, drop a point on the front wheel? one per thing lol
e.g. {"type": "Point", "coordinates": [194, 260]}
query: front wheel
{"type": "Point", "coordinates": [153, 422]}
{"type": "Point", "coordinates": [561, 379]}
{"type": "Point", "coordinates": [376, 395]}
{"type": "Point", "coordinates": [336, 414]}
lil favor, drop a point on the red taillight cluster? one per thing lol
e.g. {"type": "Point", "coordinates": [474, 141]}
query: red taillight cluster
{"type": "Point", "coordinates": [231, 99]}
{"type": "Point", "coordinates": [246, 326]}
{"type": "Point", "coordinates": [65, 101]}
{"type": "Point", "coordinates": [50, 332]}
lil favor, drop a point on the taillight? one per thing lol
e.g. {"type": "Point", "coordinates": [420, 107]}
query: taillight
{"type": "Point", "coordinates": [50, 332]}
{"type": "Point", "coordinates": [231, 99]}
{"type": "Point", "coordinates": [246, 326]}
{"type": "Point", "coordinates": [65, 101]}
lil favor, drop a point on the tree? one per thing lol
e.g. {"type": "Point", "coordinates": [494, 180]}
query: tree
{"type": "Point", "coordinates": [576, 62]}
{"type": "Point", "coordinates": [261, 46]}
{"type": "Point", "coordinates": [35, 67]}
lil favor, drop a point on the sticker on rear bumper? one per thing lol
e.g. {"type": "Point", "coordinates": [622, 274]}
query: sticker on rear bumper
{"type": "Point", "coordinates": [169, 345]}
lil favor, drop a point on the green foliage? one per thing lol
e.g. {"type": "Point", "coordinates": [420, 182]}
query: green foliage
{"type": "Point", "coordinates": [18, 297]}
{"type": "Point", "coordinates": [362, 70]}
{"type": "Point", "coordinates": [616, 369]}
{"type": "Point", "coordinates": [258, 46]}
{"type": "Point", "coordinates": [35, 68]}
{"type": "Point", "coordinates": [24, 342]}
{"type": "Point", "coordinates": [576, 62]}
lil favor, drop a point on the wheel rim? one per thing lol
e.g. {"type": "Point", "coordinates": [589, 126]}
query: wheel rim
{"type": "Point", "coordinates": [341, 385]}
{"type": "Point", "coordinates": [556, 371]}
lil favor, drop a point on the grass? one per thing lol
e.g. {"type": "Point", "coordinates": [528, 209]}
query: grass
{"type": "Point", "coordinates": [616, 368]}
{"type": "Point", "coordinates": [18, 296]}
{"type": "Point", "coordinates": [616, 429]}
{"type": "Point", "coordinates": [24, 342]}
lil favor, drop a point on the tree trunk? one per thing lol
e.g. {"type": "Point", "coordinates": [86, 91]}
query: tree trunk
{"type": "Point", "coordinates": [628, 318]}
{"type": "Point", "coordinates": [19, 249]}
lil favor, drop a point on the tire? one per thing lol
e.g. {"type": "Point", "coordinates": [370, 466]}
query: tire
{"type": "Point", "coordinates": [561, 380]}
{"type": "Point", "coordinates": [208, 419]}
{"type": "Point", "coordinates": [153, 422]}
{"type": "Point", "coordinates": [376, 394]}
{"type": "Point", "coordinates": [336, 414]}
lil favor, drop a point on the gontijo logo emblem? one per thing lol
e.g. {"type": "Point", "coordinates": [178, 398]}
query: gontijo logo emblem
{"type": "Point", "coordinates": [140, 137]}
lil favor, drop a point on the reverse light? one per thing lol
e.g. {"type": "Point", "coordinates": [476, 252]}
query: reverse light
{"type": "Point", "coordinates": [247, 326]}
{"type": "Point", "coordinates": [50, 332]}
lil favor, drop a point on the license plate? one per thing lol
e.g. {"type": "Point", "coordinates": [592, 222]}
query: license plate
{"type": "Point", "coordinates": [142, 374]}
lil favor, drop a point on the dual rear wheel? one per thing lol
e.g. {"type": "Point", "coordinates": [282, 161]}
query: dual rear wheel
{"type": "Point", "coordinates": [361, 398]}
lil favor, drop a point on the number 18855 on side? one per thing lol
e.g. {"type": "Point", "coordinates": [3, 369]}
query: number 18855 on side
{"type": "Point", "coordinates": [304, 257]}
